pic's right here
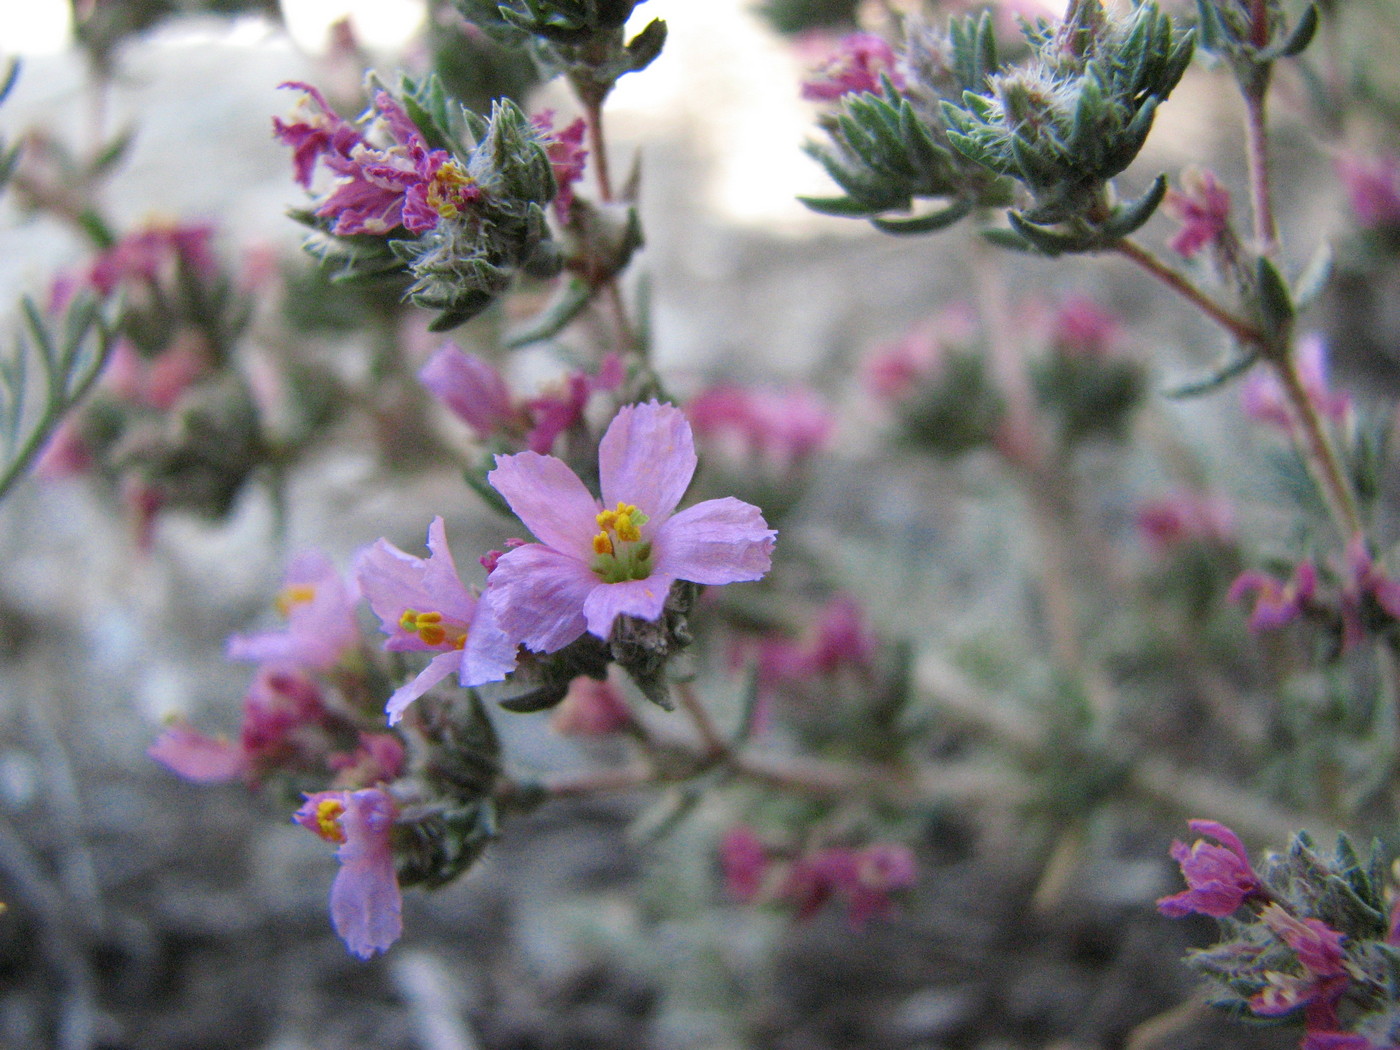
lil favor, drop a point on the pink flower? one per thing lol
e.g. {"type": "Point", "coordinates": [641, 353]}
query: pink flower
{"type": "Point", "coordinates": [1373, 189]}
{"type": "Point", "coordinates": [1276, 603]}
{"type": "Point", "coordinates": [1080, 327]}
{"type": "Point", "coordinates": [366, 903]}
{"type": "Point", "coordinates": [1262, 395]}
{"type": "Point", "coordinates": [379, 188]}
{"type": "Point", "coordinates": [153, 255]}
{"type": "Point", "coordinates": [472, 388]}
{"type": "Point", "coordinates": [1317, 945]}
{"type": "Point", "coordinates": [1202, 207]}
{"type": "Point", "coordinates": [782, 429]}
{"type": "Point", "coordinates": [744, 861]}
{"type": "Point", "coordinates": [1364, 579]}
{"type": "Point", "coordinates": [1218, 877]}
{"type": "Point", "coordinates": [598, 561]}
{"type": "Point", "coordinates": [555, 411]}
{"type": "Point", "coordinates": [855, 65]}
{"type": "Point", "coordinates": [423, 606]}
{"type": "Point", "coordinates": [196, 756]}
{"type": "Point", "coordinates": [893, 370]}
{"type": "Point", "coordinates": [861, 879]}
{"type": "Point", "coordinates": [567, 157]}
{"type": "Point", "coordinates": [591, 708]}
{"type": "Point", "coordinates": [284, 720]}
{"type": "Point", "coordinates": [380, 757]}
{"type": "Point", "coordinates": [321, 626]}
{"type": "Point", "coordinates": [839, 639]}
{"type": "Point", "coordinates": [1185, 517]}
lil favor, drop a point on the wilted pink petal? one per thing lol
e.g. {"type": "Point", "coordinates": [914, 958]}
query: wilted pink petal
{"type": "Point", "coordinates": [1219, 878]}
{"type": "Point", "coordinates": [202, 759]}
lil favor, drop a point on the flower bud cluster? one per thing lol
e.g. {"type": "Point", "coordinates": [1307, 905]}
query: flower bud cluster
{"type": "Point", "coordinates": [1305, 939]}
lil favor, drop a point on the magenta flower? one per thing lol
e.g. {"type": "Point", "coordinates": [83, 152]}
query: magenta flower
{"type": "Point", "coordinates": [567, 157]}
{"type": "Point", "coordinates": [894, 370]}
{"type": "Point", "coordinates": [1080, 327]}
{"type": "Point", "coordinates": [284, 722]}
{"type": "Point", "coordinates": [379, 188]}
{"type": "Point", "coordinates": [423, 606]}
{"type": "Point", "coordinates": [321, 626]}
{"type": "Point", "coordinates": [598, 561]}
{"type": "Point", "coordinates": [744, 861]}
{"type": "Point", "coordinates": [1218, 877]}
{"type": "Point", "coordinates": [1373, 189]}
{"type": "Point", "coordinates": [366, 903]}
{"type": "Point", "coordinates": [1276, 604]}
{"type": "Point", "coordinates": [153, 255]}
{"type": "Point", "coordinates": [855, 65]}
{"type": "Point", "coordinates": [1185, 517]}
{"type": "Point", "coordinates": [861, 879]}
{"type": "Point", "coordinates": [1317, 945]}
{"type": "Point", "coordinates": [1202, 207]}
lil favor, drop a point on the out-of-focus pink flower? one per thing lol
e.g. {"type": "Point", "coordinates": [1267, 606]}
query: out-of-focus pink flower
{"type": "Point", "coordinates": [321, 627]}
{"type": "Point", "coordinates": [1262, 395]}
{"type": "Point", "coordinates": [556, 410]}
{"type": "Point", "coordinates": [862, 879]}
{"type": "Point", "coordinates": [1276, 603]}
{"type": "Point", "coordinates": [152, 254]}
{"type": "Point", "coordinates": [781, 429]}
{"type": "Point", "coordinates": [1218, 877]}
{"type": "Point", "coordinates": [1080, 327]}
{"type": "Point", "coordinates": [1364, 579]}
{"type": "Point", "coordinates": [744, 862]}
{"type": "Point", "coordinates": [196, 756]}
{"type": "Point", "coordinates": [366, 903]}
{"type": "Point", "coordinates": [839, 639]}
{"type": "Point", "coordinates": [379, 758]}
{"type": "Point", "coordinates": [423, 606]}
{"type": "Point", "coordinates": [472, 388]}
{"type": "Point", "coordinates": [283, 721]}
{"type": "Point", "coordinates": [1185, 517]}
{"type": "Point", "coordinates": [591, 708]}
{"type": "Point", "coordinates": [1372, 187]}
{"type": "Point", "coordinates": [598, 561]}
{"type": "Point", "coordinates": [567, 157]}
{"type": "Point", "coordinates": [66, 454]}
{"type": "Point", "coordinates": [1202, 206]}
{"type": "Point", "coordinates": [893, 370]}
{"type": "Point", "coordinates": [855, 65]}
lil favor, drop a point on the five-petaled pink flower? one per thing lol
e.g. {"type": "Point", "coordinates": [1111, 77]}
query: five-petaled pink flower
{"type": "Point", "coordinates": [597, 561]}
{"type": "Point", "coordinates": [423, 606]}
{"type": "Point", "coordinates": [366, 903]}
{"type": "Point", "coordinates": [1218, 877]}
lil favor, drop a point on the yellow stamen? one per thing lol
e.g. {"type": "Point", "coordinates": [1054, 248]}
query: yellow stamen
{"type": "Point", "coordinates": [328, 813]}
{"type": "Point", "coordinates": [444, 191]}
{"type": "Point", "coordinates": [602, 544]}
{"type": "Point", "coordinates": [296, 594]}
{"type": "Point", "coordinates": [429, 627]}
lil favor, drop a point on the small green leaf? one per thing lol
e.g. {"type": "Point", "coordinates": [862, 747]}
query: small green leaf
{"type": "Point", "coordinates": [934, 221]}
{"type": "Point", "coordinates": [1276, 308]}
{"type": "Point", "coordinates": [1230, 369]}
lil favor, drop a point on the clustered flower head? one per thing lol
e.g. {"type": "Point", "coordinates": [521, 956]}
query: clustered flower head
{"type": "Point", "coordinates": [1304, 938]}
{"type": "Point", "coordinates": [1202, 206]}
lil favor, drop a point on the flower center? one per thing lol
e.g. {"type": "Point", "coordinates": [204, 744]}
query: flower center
{"type": "Point", "coordinates": [327, 816]}
{"type": "Point", "coordinates": [296, 594]}
{"type": "Point", "coordinates": [619, 552]}
{"type": "Point", "coordinates": [451, 189]}
{"type": "Point", "coordinates": [431, 630]}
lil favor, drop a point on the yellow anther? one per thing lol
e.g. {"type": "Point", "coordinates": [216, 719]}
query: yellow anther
{"type": "Point", "coordinates": [296, 594]}
{"type": "Point", "coordinates": [607, 519]}
{"type": "Point", "coordinates": [602, 544]}
{"type": "Point", "coordinates": [328, 813]}
{"type": "Point", "coordinates": [444, 191]}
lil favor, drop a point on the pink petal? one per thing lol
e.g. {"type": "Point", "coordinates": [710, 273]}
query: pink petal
{"type": "Point", "coordinates": [439, 667]}
{"type": "Point", "coordinates": [549, 498]}
{"type": "Point", "coordinates": [537, 594]}
{"type": "Point", "coordinates": [470, 387]}
{"type": "Point", "coordinates": [201, 759]}
{"type": "Point", "coordinates": [717, 541]}
{"type": "Point", "coordinates": [647, 458]}
{"type": "Point", "coordinates": [490, 654]}
{"type": "Point", "coordinates": [643, 599]}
